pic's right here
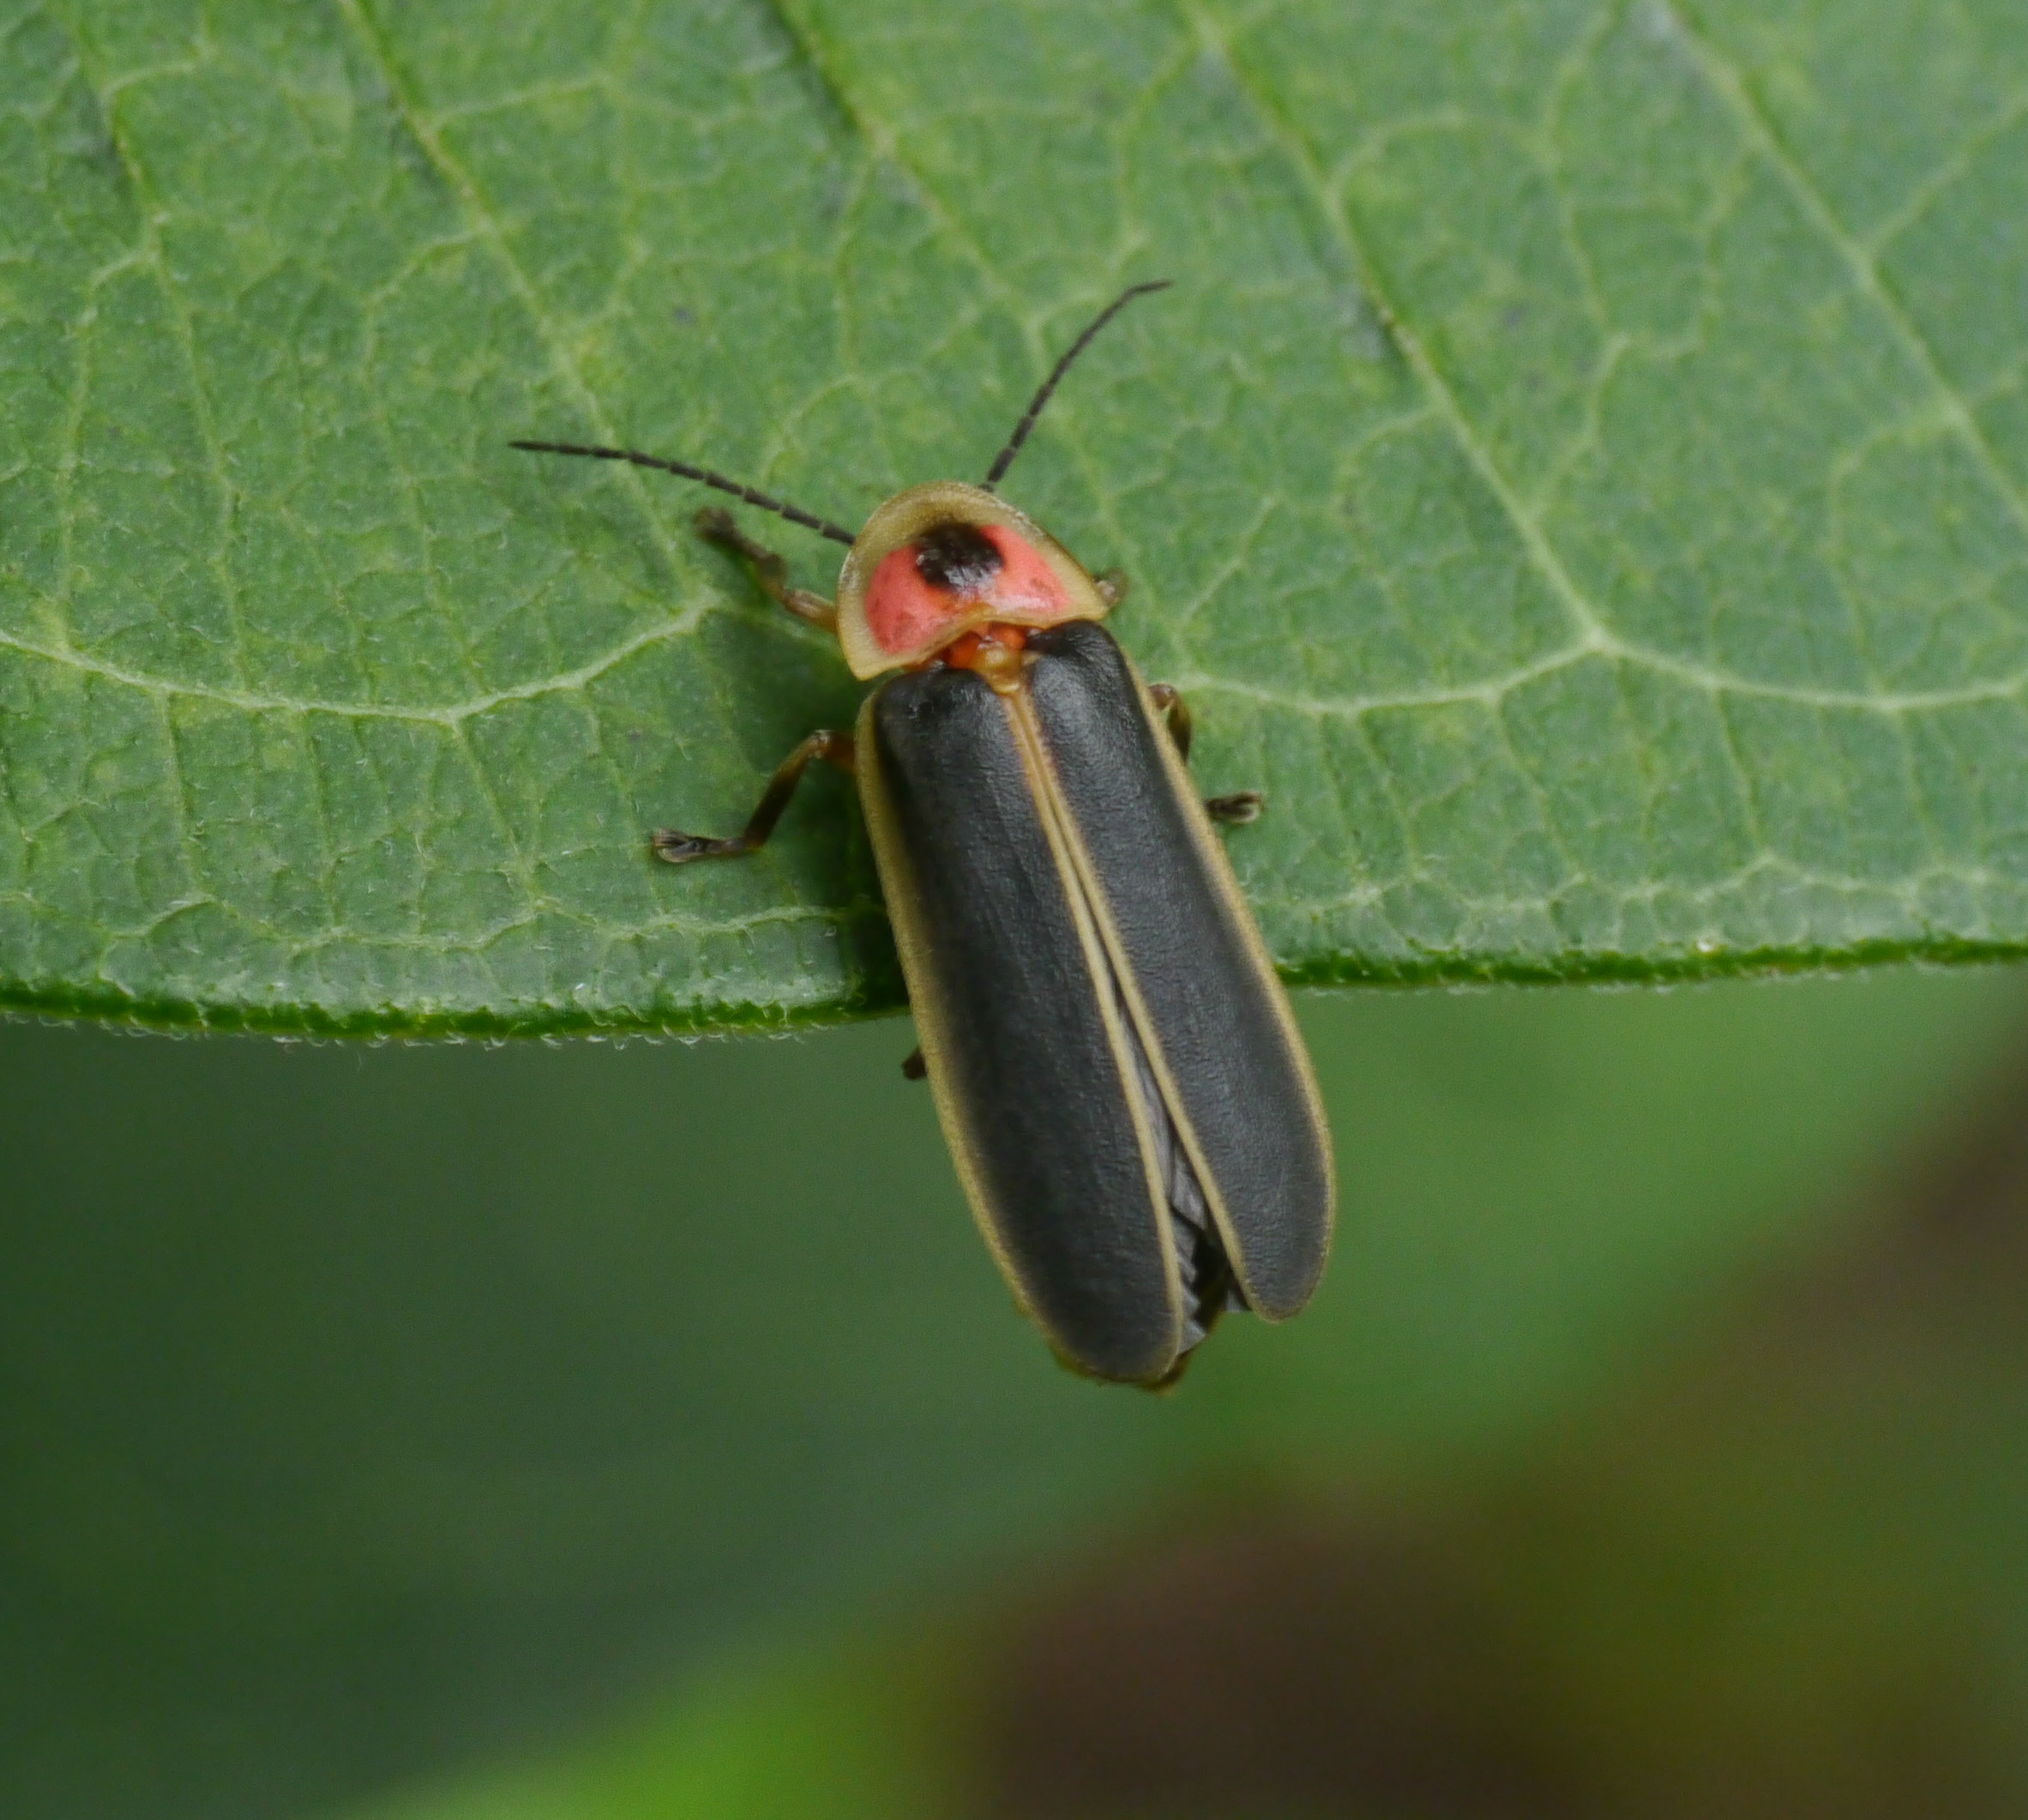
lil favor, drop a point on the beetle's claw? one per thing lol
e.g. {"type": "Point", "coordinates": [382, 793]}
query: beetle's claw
{"type": "Point", "coordinates": [676, 847]}
{"type": "Point", "coordinates": [1237, 809]}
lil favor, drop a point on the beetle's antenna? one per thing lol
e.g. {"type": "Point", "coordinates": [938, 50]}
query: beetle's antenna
{"type": "Point", "coordinates": [1004, 460]}
{"type": "Point", "coordinates": [795, 515]}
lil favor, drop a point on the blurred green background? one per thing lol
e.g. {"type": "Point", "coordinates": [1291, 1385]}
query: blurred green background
{"type": "Point", "coordinates": [596, 1433]}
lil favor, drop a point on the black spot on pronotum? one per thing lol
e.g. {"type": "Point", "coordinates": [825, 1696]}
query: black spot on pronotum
{"type": "Point", "coordinates": [959, 558]}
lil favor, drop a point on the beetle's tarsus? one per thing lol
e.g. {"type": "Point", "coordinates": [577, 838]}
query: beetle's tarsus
{"type": "Point", "coordinates": [717, 526]}
{"type": "Point", "coordinates": [1112, 586]}
{"type": "Point", "coordinates": [913, 1067]}
{"type": "Point", "coordinates": [1237, 809]}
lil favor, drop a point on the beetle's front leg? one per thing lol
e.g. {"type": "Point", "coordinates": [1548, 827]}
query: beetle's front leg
{"type": "Point", "coordinates": [1243, 805]}
{"type": "Point", "coordinates": [716, 525]}
{"type": "Point", "coordinates": [834, 749]}
{"type": "Point", "coordinates": [1112, 586]}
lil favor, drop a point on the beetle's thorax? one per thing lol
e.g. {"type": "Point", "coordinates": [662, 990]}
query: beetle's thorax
{"type": "Point", "coordinates": [945, 564]}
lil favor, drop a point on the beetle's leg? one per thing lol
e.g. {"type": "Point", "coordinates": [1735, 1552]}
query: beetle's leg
{"type": "Point", "coordinates": [913, 1067]}
{"type": "Point", "coordinates": [834, 749]}
{"type": "Point", "coordinates": [715, 524]}
{"type": "Point", "coordinates": [1241, 807]}
{"type": "Point", "coordinates": [1112, 586]}
{"type": "Point", "coordinates": [1170, 705]}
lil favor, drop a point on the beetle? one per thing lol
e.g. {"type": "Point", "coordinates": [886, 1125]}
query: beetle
{"type": "Point", "coordinates": [1115, 1063]}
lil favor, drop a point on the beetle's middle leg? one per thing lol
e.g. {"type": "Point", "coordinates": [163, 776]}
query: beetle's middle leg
{"type": "Point", "coordinates": [716, 525]}
{"type": "Point", "coordinates": [1238, 809]}
{"type": "Point", "coordinates": [1176, 714]}
{"type": "Point", "coordinates": [834, 749]}
{"type": "Point", "coordinates": [1243, 805]}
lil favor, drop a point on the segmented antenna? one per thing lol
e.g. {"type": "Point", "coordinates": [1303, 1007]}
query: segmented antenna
{"type": "Point", "coordinates": [794, 514]}
{"type": "Point", "coordinates": [1005, 459]}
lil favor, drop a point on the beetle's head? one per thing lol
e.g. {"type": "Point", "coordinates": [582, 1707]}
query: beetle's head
{"type": "Point", "coordinates": [941, 560]}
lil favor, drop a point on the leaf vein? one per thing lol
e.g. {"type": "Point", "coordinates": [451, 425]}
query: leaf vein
{"type": "Point", "coordinates": [1861, 265]}
{"type": "Point", "coordinates": [486, 224]}
{"type": "Point", "coordinates": [1534, 539]}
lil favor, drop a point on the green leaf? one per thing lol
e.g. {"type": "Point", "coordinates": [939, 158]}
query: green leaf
{"type": "Point", "coordinates": [1581, 474]}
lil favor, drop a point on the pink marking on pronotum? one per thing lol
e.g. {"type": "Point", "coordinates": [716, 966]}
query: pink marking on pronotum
{"type": "Point", "coordinates": [907, 614]}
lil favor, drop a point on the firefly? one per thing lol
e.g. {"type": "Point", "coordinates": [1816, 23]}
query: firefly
{"type": "Point", "coordinates": [1115, 1063]}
